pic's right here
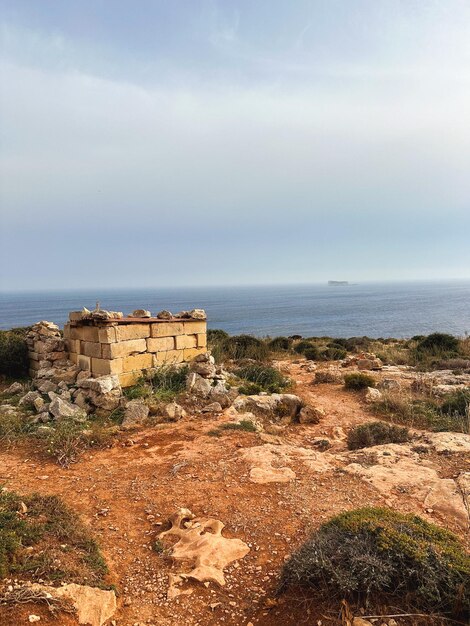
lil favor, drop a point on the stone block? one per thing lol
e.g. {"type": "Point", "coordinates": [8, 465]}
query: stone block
{"type": "Point", "coordinates": [128, 379]}
{"type": "Point", "coordinates": [186, 341]}
{"type": "Point", "coordinates": [73, 357]}
{"type": "Point", "coordinates": [123, 348]}
{"type": "Point", "coordinates": [167, 329]}
{"type": "Point", "coordinates": [67, 331]}
{"type": "Point", "coordinates": [107, 335]}
{"type": "Point", "coordinates": [168, 356]}
{"type": "Point", "coordinates": [73, 345]}
{"type": "Point", "coordinates": [84, 362]}
{"type": "Point", "coordinates": [89, 348]}
{"type": "Point", "coordinates": [34, 365]}
{"type": "Point", "coordinates": [158, 344]}
{"type": "Point", "coordinates": [125, 332]}
{"type": "Point", "coordinates": [106, 366]}
{"type": "Point", "coordinates": [136, 362]}
{"type": "Point", "coordinates": [191, 353]}
{"type": "Point", "coordinates": [194, 326]}
{"type": "Point", "coordinates": [85, 333]}
{"type": "Point", "coordinates": [201, 340]}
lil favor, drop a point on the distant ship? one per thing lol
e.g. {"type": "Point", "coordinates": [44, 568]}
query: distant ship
{"type": "Point", "coordinates": [336, 283]}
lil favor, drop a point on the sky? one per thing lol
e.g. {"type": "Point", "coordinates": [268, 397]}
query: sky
{"type": "Point", "coordinates": [220, 142]}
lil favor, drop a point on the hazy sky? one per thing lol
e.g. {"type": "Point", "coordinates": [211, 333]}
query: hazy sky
{"type": "Point", "coordinates": [153, 142]}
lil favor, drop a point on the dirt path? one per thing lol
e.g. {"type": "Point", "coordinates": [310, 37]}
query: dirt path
{"type": "Point", "coordinates": [126, 494]}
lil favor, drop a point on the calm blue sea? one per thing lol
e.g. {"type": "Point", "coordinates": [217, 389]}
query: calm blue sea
{"type": "Point", "coordinates": [376, 310]}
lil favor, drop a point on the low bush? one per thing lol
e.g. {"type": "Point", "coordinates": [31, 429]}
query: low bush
{"type": "Point", "coordinates": [372, 553]}
{"type": "Point", "coordinates": [60, 546]}
{"type": "Point", "coordinates": [333, 354]}
{"type": "Point", "coordinates": [14, 360]}
{"type": "Point", "coordinates": [303, 345]}
{"type": "Point", "coordinates": [312, 354]}
{"type": "Point", "coordinates": [280, 344]}
{"type": "Point", "coordinates": [265, 378]}
{"type": "Point", "coordinates": [457, 403]}
{"type": "Point", "coordinates": [216, 334]}
{"type": "Point", "coordinates": [438, 343]}
{"type": "Point", "coordinates": [358, 381]}
{"type": "Point", "coordinates": [376, 434]}
{"type": "Point", "coordinates": [244, 347]}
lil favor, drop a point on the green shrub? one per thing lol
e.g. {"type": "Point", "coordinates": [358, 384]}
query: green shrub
{"type": "Point", "coordinates": [312, 354]}
{"type": "Point", "coordinates": [245, 425]}
{"type": "Point", "coordinates": [333, 354]}
{"type": "Point", "coordinates": [457, 403]}
{"type": "Point", "coordinates": [66, 441]}
{"type": "Point", "coordinates": [374, 552]}
{"type": "Point", "coordinates": [376, 434]}
{"type": "Point", "coordinates": [438, 343]}
{"type": "Point", "coordinates": [266, 378]}
{"type": "Point", "coordinates": [245, 347]}
{"type": "Point", "coordinates": [304, 345]}
{"type": "Point", "coordinates": [14, 360]}
{"type": "Point", "coordinates": [27, 521]}
{"type": "Point", "coordinates": [358, 381]}
{"type": "Point", "coordinates": [250, 389]}
{"type": "Point", "coordinates": [280, 344]}
{"type": "Point", "coordinates": [216, 334]}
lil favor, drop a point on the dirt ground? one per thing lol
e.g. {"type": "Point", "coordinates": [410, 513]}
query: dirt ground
{"type": "Point", "coordinates": [127, 493]}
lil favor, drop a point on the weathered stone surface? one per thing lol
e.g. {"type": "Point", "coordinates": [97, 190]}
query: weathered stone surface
{"type": "Point", "coordinates": [173, 412]}
{"type": "Point", "coordinates": [61, 408]}
{"type": "Point", "coordinates": [136, 413]}
{"type": "Point", "coordinates": [389, 384]}
{"type": "Point", "coordinates": [164, 315]}
{"type": "Point", "coordinates": [47, 386]}
{"type": "Point", "coordinates": [103, 384]}
{"type": "Point", "coordinates": [191, 353]}
{"type": "Point", "coordinates": [107, 335]}
{"type": "Point", "coordinates": [205, 369]}
{"type": "Point", "coordinates": [311, 414]}
{"type": "Point", "coordinates": [102, 367]}
{"type": "Point", "coordinates": [166, 329]}
{"type": "Point", "coordinates": [284, 405]}
{"type": "Point", "coordinates": [198, 385]}
{"type": "Point", "coordinates": [186, 341]}
{"type": "Point", "coordinates": [171, 357]}
{"type": "Point", "coordinates": [28, 399]}
{"type": "Point", "coordinates": [124, 332]}
{"type": "Point", "coordinates": [124, 348]}
{"type": "Point", "coordinates": [369, 364]}
{"type": "Point", "coordinates": [14, 388]}
{"type": "Point", "coordinates": [140, 313]}
{"type": "Point", "coordinates": [159, 344]}
{"type": "Point", "coordinates": [90, 348]}
{"type": "Point", "coordinates": [193, 327]}
{"type": "Point", "coordinates": [214, 407]}
{"type": "Point", "coordinates": [372, 395]}
{"type": "Point", "coordinates": [198, 314]}
{"type": "Point", "coordinates": [94, 606]}
{"type": "Point", "coordinates": [200, 541]}
{"type": "Point", "coordinates": [136, 362]}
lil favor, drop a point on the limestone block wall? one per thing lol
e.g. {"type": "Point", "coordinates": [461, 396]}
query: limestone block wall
{"type": "Point", "coordinates": [127, 346]}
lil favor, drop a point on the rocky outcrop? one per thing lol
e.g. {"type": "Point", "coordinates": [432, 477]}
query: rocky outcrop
{"type": "Point", "coordinates": [279, 407]}
{"type": "Point", "coordinates": [200, 541]}
{"type": "Point", "coordinates": [208, 381]}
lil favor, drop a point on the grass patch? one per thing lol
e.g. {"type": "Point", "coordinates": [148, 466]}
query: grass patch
{"type": "Point", "coordinates": [372, 553]}
{"type": "Point", "coordinates": [40, 537]}
{"type": "Point", "coordinates": [426, 413]}
{"type": "Point", "coordinates": [376, 434]}
{"type": "Point", "coordinates": [262, 378]}
{"type": "Point", "coordinates": [358, 381]}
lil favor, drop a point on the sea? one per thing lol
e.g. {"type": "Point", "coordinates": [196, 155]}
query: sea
{"type": "Point", "coordinates": [374, 309]}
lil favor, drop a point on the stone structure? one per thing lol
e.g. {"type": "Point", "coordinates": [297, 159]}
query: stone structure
{"type": "Point", "coordinates": [104, 343]}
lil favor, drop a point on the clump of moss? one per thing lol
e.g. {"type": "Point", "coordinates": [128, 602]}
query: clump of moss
{"type": "Point", "coordinates": [44, 525]}
{"type": "Point", "coordinates": [376, 434]}
{"type": "Point", "coordinates": [358, 381]}
{"type": "Point", "coordinates": [372, 552]}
